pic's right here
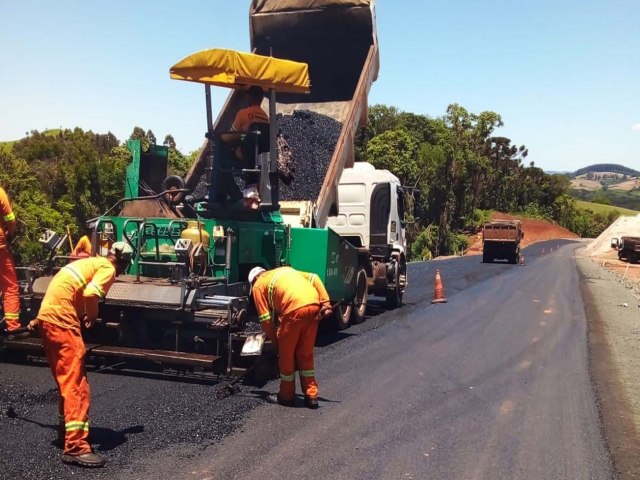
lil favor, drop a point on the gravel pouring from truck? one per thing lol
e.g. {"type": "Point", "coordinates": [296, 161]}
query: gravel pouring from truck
{"type": "Point", "coordinates": [338, 40]}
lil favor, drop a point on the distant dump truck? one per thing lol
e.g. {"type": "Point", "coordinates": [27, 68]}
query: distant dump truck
{"type": "Point", "coordinates": [501, 241]}
{"type": "Point", "coordinates": [628, 248]}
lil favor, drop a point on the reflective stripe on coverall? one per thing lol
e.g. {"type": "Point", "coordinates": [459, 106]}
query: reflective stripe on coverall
{"type": "Point", "coordinates": [8, 278]}
{"type": "Point", "coordinates": [74, 290]}
{"type": "Point", "coordinates": [296, 298]}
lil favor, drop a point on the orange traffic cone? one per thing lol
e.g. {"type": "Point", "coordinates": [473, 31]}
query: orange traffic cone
{"type": "Point", "coordinates": [438, 295]}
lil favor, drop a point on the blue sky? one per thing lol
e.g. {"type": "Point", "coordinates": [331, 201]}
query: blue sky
{"type": "Point", "coordinates": [564, 75]}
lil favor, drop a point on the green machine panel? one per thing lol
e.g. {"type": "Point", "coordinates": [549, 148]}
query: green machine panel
{"type": "Point", "coordinates": [325, 253]}
{"type": "Point", "coordinates": [148, 167]}
{"type": "Point", "coordinates": [260, 244]}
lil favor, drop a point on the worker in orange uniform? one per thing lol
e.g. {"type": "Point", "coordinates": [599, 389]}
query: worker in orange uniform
{"type": "Point", "coordinates": [71, 301]}
{"type": "Point", "coordinates": [299, 300]}
{"type": "Point", "coordinates": [8, 279]}
{"type": "Point", "coordinates": [82, 248]}
{"type": "Point", "coordinates": [237, 146]}
{"type": "Point", "coordinates": [245, 117]}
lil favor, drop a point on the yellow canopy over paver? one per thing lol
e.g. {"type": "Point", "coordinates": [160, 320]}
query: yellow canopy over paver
{"type": "Point", "coordinates": [232, 69]}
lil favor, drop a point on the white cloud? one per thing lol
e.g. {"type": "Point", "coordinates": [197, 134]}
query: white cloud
{"type": "Point", "coordinates": [636, 127]}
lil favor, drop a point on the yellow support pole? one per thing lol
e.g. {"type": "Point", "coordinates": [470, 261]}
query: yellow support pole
{"type": "Point", "coordinates": [69, 237]}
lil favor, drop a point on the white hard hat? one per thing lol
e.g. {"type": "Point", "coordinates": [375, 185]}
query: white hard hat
{"type": "Point", "coordinates": [253, 274]}
{"type": "Point", "coordinates": [122, 251]}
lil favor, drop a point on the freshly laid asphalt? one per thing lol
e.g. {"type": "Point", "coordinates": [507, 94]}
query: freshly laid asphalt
{"type": "Point", "coordinates": [492, 384]}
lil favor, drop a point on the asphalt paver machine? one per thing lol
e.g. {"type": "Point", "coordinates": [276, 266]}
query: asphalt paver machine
{"type": "Point", "coordinates": [185, 300]}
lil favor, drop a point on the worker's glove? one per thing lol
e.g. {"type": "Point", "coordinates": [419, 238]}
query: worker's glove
{"type": "Point", "coordinates": [325, 310]}
{"type": "Point", "coordinates": [33, 325]}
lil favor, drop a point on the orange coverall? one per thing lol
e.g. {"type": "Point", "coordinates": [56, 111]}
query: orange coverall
{"type": "Point", "coordinates": [8, 278]}
{"type": "Point", "coordinates": [295, 297]}
{"type": "Point", "coordinates": [74, 292]}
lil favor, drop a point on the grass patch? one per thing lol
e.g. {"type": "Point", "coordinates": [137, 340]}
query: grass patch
{"type": "Point", "coordinates": [6, 146]}
{"type": "Point", "coordinates": [604, 209]}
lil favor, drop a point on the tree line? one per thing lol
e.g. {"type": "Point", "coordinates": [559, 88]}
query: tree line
{"type": "Point", "coordinates": [461, 168]}
{"type": "Point", "coordinates": [463, 171]}
{"type": "Point", "coordinates": [61, 179]}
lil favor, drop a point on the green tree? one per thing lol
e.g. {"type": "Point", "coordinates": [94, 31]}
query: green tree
{"type": "Point", "coordinates": [34, 211]}
{"type": "Point", "coordinates": [178, 164]}
{"type": "Point", "coordinates": [397, 151]}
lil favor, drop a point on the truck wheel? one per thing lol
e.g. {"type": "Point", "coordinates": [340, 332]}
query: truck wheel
{"type": "Point", "coordinates": [360, 300]}
{"type": "Point", "coordinates": [342, 316]}
{"type": "Point", "coordinates": [486, 258]}
{"type": "Point", "coordinates": [394, 297]}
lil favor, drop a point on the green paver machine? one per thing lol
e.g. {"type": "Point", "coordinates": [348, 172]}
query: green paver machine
{"type": "Point", "coordinates": [185, 300]}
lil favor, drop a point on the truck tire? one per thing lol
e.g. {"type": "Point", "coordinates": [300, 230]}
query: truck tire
{"type": "Point", "coordinates": [342, 316]}
{"type": "Point", "coordinates": [360, 301]}
{"type": "Point", "coordinates": [486, 257]}
{"type": "Point", "coordinates": [394, 297]}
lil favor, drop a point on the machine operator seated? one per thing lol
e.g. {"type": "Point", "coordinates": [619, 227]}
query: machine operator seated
{"type": "Point", "coordinates": [239, 147]}
{"type": "Point", "coordinates": [247, 119]}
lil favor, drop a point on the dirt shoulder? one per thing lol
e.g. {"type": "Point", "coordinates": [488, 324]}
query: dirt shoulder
{"type": "Point", "coordinates": [612, 306]}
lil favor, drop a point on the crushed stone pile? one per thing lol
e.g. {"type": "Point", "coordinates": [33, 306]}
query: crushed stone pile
{"type": "Point", "coordinates": [623, 226]}
{"type": "Point", "coordinates": [311, 139]}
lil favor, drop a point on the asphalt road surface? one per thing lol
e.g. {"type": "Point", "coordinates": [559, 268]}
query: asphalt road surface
{"type": "Point", "coordinates": [493, 384]}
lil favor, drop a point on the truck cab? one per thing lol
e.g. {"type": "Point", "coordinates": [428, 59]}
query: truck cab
{"type": "Point", "coordinates": [371, 211]}
{"type": "Point", "coordinates": [371, 216]}
{"type": "Point", "coordinates": [628, 248]}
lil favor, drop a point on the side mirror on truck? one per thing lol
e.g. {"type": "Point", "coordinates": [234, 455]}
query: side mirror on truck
{"type": "Point", "coordinates": [615, 243]}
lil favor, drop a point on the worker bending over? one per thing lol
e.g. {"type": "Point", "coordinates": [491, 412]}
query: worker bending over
{"type": "Point", "coordinates": [299, 300]}
{"type": "Point", "coordinates": [70, 302]}
{"type": "Point", "coordinates": [8, 278]}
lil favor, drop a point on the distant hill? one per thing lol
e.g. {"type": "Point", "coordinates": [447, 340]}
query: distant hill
{"type": "Point", "coordinates": [608, 168]}
{"type": "Point", "coordinates": [607, 184]}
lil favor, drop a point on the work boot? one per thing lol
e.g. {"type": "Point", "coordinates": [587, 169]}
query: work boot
{"type": "Point", "coordinates": [311, 402]}
{"type": "Point", "coordinates": [89, 460]}
{"type": "Point", "coordinates": [59, 441]}
{"type": "Point", "coordinates": [276, 399]}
